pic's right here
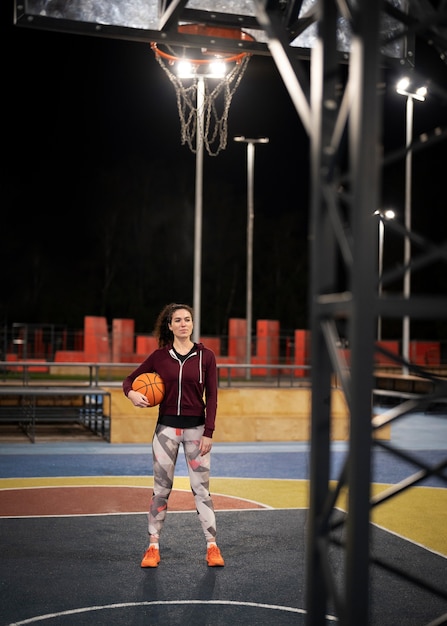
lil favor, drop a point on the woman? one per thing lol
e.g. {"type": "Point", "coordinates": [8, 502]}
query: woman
{"type": "Point", "coordinates": [186, 415]}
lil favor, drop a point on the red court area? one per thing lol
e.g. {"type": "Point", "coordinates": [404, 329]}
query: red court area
{"type": "Point", "coordinates": [102, 500]}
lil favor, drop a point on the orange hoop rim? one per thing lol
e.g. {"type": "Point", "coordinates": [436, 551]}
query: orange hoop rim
{"type": "Point", "coordinates": [209, 31]}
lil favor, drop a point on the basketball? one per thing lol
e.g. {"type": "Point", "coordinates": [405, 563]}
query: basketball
{"type": "Point", "coordinates": [151, 385]}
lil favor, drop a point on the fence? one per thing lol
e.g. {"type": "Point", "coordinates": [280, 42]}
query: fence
{"type": "Point", "coordinates": [93, 374]}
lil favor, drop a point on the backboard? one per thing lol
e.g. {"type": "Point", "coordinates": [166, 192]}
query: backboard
{"type": "Point", "coordinates": [159, 20]}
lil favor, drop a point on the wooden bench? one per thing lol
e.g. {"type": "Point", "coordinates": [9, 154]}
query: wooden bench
{"type": "Point", "coordinates": [393, 388]}
{"type": "Point", "coordinates": [31, 405]}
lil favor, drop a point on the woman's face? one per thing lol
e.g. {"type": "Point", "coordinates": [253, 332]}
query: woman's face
{"type": "Point", "coordinates": [181, 324]}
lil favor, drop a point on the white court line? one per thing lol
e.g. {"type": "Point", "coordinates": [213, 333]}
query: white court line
{"type": "Point", "coordinates": [125, 605]}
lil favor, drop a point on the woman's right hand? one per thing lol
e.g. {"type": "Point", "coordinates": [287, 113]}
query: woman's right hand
{"type": "Point", "coordinates": [137, 398]}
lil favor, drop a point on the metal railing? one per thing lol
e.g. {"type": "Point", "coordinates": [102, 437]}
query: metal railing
{"type": "Point", "coordinates": [94, 374]}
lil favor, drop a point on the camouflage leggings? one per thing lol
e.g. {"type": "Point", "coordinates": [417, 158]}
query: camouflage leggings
{"type": "Point", "coordinates": [165, 447]}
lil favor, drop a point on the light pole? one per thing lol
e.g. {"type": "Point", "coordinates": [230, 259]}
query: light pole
{"type": "Point", "coordinates": [187, 70]}
{"type": "Point", "coordinates": [404, 88]}
{"type": "Point", "coordinates": [250, 219]}
{"type": "Point", "coordinates": [383, 215]}
{"type": "Point", "coordinates": [198, 211]}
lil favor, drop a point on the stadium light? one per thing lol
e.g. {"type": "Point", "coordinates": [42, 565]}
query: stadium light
{"type": "Point", "coordinates": [405, 88]}
{"type": "Point", "coordinates": [388, 214]}
{"type": "Point", "coordinates": [250, 219]}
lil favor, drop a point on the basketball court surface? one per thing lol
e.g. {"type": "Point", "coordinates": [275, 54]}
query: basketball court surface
{"type": "Point", "coordinates": [73, 532]}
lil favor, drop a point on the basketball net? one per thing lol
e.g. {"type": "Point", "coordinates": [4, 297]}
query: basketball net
{"type": "Point", "coordinates": [204, 117]}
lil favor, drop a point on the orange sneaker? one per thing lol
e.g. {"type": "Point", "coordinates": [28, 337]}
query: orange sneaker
{"type": "Point", "coordinates": [151, 557]}
{"type": "Point", "coordinates": [214, 557]}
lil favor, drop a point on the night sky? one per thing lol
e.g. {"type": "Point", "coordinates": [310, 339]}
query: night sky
{"type": "Point", "coordinates": [99, 193]}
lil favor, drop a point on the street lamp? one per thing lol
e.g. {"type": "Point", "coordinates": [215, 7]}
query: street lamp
{"type": "Point", "coordinates": [198, 212]}
{"type": "Point", "coordinates": [250, 219]}
{"type": "Point", "coordinates": [185, 70]}
{"type": "Point", "coordinates": [404, 88]}
{"type": "Point", "coordinates": [388, 214]}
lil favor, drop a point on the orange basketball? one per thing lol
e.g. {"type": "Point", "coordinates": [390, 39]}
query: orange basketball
{"type": "Point", "coordinates": [151, 385]}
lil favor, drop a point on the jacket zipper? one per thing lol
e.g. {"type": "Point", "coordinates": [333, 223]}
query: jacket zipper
{"type": "Point", "coordinates": [180, 374]}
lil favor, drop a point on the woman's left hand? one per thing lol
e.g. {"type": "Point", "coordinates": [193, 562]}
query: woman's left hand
{"type": "Point", "coordinates": [206, 443]}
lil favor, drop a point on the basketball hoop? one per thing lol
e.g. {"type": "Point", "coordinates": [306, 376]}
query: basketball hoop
{"type": "Point", "coordinates": [203, 109]}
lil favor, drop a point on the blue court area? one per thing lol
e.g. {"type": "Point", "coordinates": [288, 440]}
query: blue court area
{"type": "Point", "coordinates": [422, 434]}
{"type": "Point", "coordinates": [245, 461]}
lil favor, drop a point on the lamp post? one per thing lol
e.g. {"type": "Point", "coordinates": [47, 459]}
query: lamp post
{"type": "Point", "coordinates": [403, 88]}
{"type": "Point", "coordinates": [198, 212]}
{"type": "Point", "coordinates": [186, 69]}
{"type": "Point", "coordinates": [383, 215]}
{"type": "Point", "coordinates": [250, 219]}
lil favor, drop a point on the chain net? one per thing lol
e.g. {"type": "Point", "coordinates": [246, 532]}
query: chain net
{"type": "Point", "coordinates": [216, 106]}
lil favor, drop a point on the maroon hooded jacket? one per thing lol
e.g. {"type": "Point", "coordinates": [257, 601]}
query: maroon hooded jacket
{"type": "Point", "coordinates": [190, 386]}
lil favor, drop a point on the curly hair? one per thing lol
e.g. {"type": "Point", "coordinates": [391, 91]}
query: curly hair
{"type": "Point", "coordinates": [162, 331]}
